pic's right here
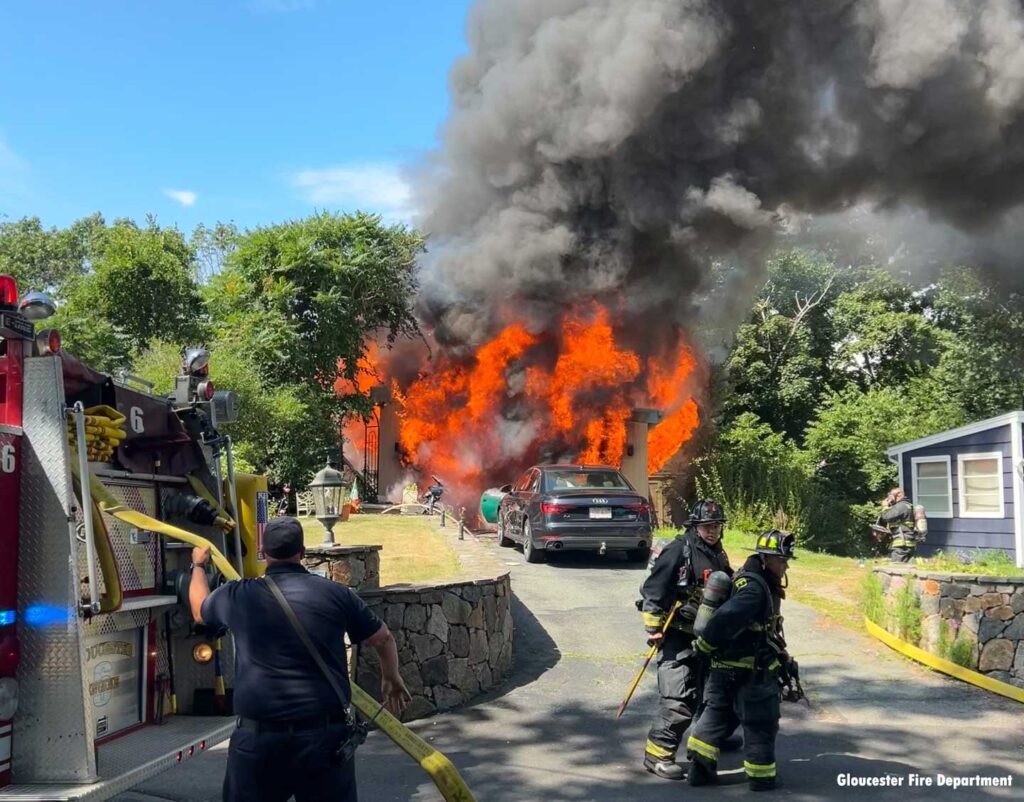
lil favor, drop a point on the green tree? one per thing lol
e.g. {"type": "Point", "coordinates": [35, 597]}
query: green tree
{"type": "Point", "coordinates": [292, 309]}
{"type": "Point", "coordinates": [778, 367]}
{"type": "Point", "coordinates": [847, 441]}
{"type": "Point", "coordinates": [304, 296]}
{"type": "Point", "coordinates": [140, 287]}
{"type": "Point", "coordinates": [212, 247]}
{"type": "Point", "coordinates": [882, 332]}
{"type": "Point", "coordinates": [46, 259]}
{"type": "Point", "coordinates": [982, 366]}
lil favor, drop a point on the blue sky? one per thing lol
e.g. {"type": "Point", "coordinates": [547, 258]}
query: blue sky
{"type": "Point", "coordinates": [252, 111]}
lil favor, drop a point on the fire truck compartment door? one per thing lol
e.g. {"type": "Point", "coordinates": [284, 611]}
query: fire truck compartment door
{"type": "Point", "coordinates": [115, 678]}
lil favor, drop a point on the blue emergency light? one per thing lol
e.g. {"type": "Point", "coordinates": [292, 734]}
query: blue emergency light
{"type": "Point", "coordinates": [7, 617]}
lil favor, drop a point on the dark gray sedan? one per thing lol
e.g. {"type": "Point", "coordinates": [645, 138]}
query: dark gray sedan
{"type": "Point", "coordinates": [575, 508]}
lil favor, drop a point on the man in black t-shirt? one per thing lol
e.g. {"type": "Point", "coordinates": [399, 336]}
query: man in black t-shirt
{"type": "Point", "coordinates": [290, 720]}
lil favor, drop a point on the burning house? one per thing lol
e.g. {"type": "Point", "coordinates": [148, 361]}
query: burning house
{"type": "Point", "coordinates": [573, 395]}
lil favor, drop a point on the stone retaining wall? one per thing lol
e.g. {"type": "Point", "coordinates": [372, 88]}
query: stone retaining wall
{"type": "Point", "coordinates": [975, 621]}
{"type": "Point", "coordinates": [355, 566]}
{"type": "Point", "coordinates": [454, 640]}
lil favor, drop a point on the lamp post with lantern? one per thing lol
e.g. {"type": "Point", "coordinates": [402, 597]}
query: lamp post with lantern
{"type": "Point", "coordinates": [329, 490]}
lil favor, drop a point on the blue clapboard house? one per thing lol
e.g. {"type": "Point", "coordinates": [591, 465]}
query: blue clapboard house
{"type": "Point", "coordinates": [971, 483]}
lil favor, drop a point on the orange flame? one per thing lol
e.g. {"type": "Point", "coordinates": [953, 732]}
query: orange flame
{"type": "Point", "coordinates": [524, 397]}
{"type": "Point", "coordinates": [368, 376]}
{"type": "Point", "coordinates": [666, 391]}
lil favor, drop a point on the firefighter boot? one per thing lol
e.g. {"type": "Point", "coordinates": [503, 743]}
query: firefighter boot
{"type": "Point", "coordinates": [764, 784]}
{"type": "Point", "coordinates": [700, 773]}
{"type": "Point", "coordinates": [666, 768]}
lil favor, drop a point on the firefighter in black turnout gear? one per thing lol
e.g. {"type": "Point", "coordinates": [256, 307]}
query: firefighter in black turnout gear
{"type": "Point", "coordinates": [744, 644]}
{"type": "Point", "coordinates": [905, 524]}
{"type": "Point", "coordinates": [678, 574]}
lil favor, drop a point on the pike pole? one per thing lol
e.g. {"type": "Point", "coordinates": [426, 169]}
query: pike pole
{"type": "Point", "coordinates": [647, 661]}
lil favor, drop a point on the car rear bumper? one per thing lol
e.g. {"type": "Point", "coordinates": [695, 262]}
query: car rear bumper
{"type": "Point", "coordinates": [584, 538]}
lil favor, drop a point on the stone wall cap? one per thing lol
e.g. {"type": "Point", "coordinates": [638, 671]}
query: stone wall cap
{"type": "Point", "coordinates": [983, 579]}
{"type": "Point", "coordinates": [340, 550]}
{"type": "Point", "coordinates": [428, 587]}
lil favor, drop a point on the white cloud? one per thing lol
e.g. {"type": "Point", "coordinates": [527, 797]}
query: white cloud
{"type": "Point", "coordinates": [371, 187]}
{"type": "Point", "coordinates": [183, 196]}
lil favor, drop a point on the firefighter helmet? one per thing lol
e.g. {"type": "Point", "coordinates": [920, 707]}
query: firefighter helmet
{"type": "Point", "coordinates": [707, 511]}
{"type": "Point", "coordinates": [777, 544]}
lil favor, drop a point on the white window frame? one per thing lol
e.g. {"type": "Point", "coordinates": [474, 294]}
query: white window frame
{"type": "Point", "coordinates": [960, 460]}
{"type": "Point", "coordinates": [914, 462]}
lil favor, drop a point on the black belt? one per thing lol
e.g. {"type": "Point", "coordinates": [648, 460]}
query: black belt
{"type": "Point", "coordinates": [290, 726]}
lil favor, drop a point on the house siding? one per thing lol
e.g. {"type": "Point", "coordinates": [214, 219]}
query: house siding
{"type": "Point", "coordinates": [950, 534]}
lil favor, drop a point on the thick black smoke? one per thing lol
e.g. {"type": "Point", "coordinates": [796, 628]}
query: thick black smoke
{"type": "Point", "coordinates": [615, 148]}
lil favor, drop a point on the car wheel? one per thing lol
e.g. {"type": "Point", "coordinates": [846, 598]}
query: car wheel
{"type": "Point", "coordinates": [503, 539]}
{"type": "Point", "coordinates": [530, 552]}
{"type": "Point", "coordinates": [638, 555]}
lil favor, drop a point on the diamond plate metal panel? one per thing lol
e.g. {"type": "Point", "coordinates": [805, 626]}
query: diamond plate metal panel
{"type": "Point", "coordinates": [131, 759]}
{"type": "Point", "coordinates": [109, 623]}
{"type": "Point", "coordinates": [51, 740]}
{"type": "Point", "coordinates": [137, 563]}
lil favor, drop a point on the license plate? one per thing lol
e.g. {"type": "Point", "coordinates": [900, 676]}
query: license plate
{"type": "Point", "coordinates": [604, 513]}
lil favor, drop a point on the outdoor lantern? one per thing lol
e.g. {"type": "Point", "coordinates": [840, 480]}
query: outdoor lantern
{"type": "Point", "coordinates": [328, 488]}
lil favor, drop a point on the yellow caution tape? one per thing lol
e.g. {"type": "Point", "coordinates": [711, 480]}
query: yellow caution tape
{"type": "Point", "coordinates": [943, 665]}
{"type": "Point", "coordinates": [445, 776]}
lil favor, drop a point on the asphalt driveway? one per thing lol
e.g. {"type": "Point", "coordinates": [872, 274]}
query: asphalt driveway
{"type": "Point", "coordinates": [550, 732]}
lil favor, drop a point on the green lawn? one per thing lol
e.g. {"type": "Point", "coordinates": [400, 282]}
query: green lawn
{"type": "Point", "coordinates": [834, 585]}
{"type": "Point", "coordinates": [414, 550]}
{"type": "Point", "coordinates": [831, 585]}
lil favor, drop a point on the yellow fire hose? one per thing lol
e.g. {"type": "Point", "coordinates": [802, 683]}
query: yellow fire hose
{"type": "Point", "coordinates": [224, 519]}
{"type": "Point", "coordinates": [102, 436]}
{"type": "Point", "coordinates": [445, 776]}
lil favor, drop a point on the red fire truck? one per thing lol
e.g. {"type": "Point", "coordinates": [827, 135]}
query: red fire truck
{"type": "Point", "coordinates": [104, 678]}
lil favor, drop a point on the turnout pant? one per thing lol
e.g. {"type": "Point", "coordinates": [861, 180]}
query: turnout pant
{"type": "Point", "coordinates": [678, 695]}
{"type": "Point", "coordinates": [272, 766]}
{"type": "Point", "coordinates": [738, 695]}
{"type": "Point", "coordinates": [902, 554]}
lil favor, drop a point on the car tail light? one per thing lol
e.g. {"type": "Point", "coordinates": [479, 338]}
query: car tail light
{"type": "Point", "coordinates": [552, 508]}
{"type": "Point", "coordinates": [639, 507]}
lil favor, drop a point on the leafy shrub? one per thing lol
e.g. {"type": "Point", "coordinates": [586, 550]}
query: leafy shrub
{"type": "Point", "coordinates": [906, 615]}
{"type": "Point", "coordinates": [944, 646]}
{"type": "Point", "coordinates": [873, 600]}
{"type": "Point", "coordinates": [962, 652]}
{"type": "Point", "coordinates": [988, 562]}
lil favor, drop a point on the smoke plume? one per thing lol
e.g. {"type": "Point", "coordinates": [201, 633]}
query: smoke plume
{"type": "Point", "coordinates": [604, 149]}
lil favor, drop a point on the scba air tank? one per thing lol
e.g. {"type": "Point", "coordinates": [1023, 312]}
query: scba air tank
{"type": "Point", "coordinates": [717, 589]}
{"type": "Point", "coordinates": [920, 521]}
